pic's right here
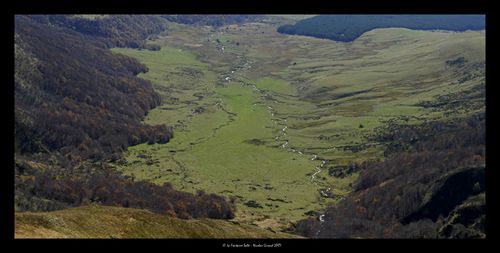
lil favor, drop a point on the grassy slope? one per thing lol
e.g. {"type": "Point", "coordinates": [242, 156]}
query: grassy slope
{"type": "Point", "coordinates": [115, 222]}
{"type": "Point", "coordinates": [305, 80]}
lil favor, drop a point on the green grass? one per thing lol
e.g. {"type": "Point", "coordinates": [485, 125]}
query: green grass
{"type": "Point", "coordinates": [276, 86]}
{"type": "Point", "coordinates": [211, 151]}
{"type": "Point", "coordinates": [321, 90]}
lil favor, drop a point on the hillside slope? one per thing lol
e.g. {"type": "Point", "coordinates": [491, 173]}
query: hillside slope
{"type": "Point", "coordinates": [95, 221]}
{"type": "Point", "coordinates": [347, 28]}
{"type": "Point", "coordinates": [75, 97]}
{"type": "Point", "coordinates": [430, 185]}
{"type": "Point", "coordinates": [211, 20]}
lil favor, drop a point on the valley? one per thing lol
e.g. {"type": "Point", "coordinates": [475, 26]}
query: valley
{"type": "Point", "coordinates": [267, 119]}
{"type": "Point", "coordinates": [235, 126]}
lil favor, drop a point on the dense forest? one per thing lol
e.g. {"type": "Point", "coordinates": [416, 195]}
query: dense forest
{"type": "Point", "coordinates": [77, 103]}
{"type": "Point", "coordinates": [75, 97]}
{"type": "Point", "coordinates": [431, 185]}
{"type": "Point", "coordinates": [347, 28]}
{"type": "Point", "coordinates": [111, 30]}
{"type": "Point", "coordinates": [212, 20]}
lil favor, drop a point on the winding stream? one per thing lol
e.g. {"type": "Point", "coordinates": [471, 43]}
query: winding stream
{"type": "Point", "coordinates": [285, 145]}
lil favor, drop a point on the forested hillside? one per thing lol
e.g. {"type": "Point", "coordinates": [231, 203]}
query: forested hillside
{"type": "Point", "coordinates": [212, 20]}
{"type": "Point", "coordinates": [349, 27]}
{"type": "Point", "coordinates": [75, 97]}
{"type": "Point", "coordinates": [111, 30]}
{"type": "Point", "coordinates": [78, 106]}
{"type": "Point", "coordinates": [431, 185]}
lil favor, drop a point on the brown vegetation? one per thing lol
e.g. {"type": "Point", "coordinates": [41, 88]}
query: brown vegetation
{"type": "Point", "coordinates": [430, 171]}
{"type": "Point", "coordinates": [51, 189]}
{"type": "Point", "coordinates": [75, 97]}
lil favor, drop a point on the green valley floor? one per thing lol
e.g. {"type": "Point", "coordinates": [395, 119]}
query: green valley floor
{"type": "Point", "coordinates": [263, 117]}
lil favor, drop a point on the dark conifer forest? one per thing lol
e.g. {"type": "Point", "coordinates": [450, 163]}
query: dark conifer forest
{"type": "Point", "coordinates": [347, 28]}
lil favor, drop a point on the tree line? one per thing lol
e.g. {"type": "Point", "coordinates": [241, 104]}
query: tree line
{"type": "Point", "coordinates": [212, 20]}
{"type": "Point", "coordinates": [347, 28]}
{"type": "Point", "coordinates": [52, 189]}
